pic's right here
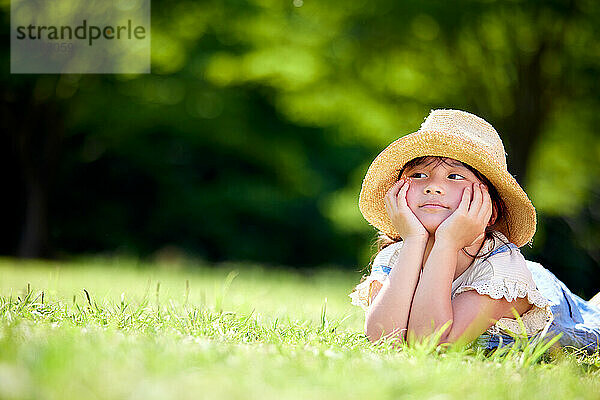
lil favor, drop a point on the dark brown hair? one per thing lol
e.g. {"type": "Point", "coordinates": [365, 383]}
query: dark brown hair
{"type": "Point", "coordinates": [383, 240]}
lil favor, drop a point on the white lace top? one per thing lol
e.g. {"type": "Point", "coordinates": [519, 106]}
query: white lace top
{"type": "Point", "coordinates": [502, 274]}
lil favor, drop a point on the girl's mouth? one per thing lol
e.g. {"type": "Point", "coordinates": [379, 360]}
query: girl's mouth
{"type": "Point", "coordinates": [433, 207]}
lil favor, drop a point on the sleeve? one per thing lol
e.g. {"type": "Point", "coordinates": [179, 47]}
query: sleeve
{"type": "Point", "coordinates": [504, 274]}
{"type": "Point", "coordinates": [380, 269]}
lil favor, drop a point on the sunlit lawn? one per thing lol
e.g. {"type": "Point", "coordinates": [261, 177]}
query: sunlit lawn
{"type": "Point", "coordinates": [186, 331]}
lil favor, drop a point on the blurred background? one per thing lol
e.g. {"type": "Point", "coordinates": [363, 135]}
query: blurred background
{"type": "Point", "coordinates": [250, 139]}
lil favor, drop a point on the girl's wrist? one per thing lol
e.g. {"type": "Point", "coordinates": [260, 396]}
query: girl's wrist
{"type": "Point", "coordinates": [446, 244]}
{"type": "Point", "coordinates": [416, 240]}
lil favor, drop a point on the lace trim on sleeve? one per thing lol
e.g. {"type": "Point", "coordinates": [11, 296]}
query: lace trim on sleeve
{"type": "Point", "coordinates": [534, 320]}
{"type": "Point", "coordinates": [364, 291]}
{"type": "Point", "coordinates": [381, 267]}
{"type": "Point", "coordinates": [509, 289]}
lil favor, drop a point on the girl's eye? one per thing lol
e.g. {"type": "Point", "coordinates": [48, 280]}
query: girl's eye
{"type": "Point", "coordinates": [414, 175]}
{"type": "Point", "coordinates": [456, 176]}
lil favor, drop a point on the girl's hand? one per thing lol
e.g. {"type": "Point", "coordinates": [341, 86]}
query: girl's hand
{"type": "Point", "coordinates": [467, 223]}
{"type": "Point", "coordinates": [404, 220]}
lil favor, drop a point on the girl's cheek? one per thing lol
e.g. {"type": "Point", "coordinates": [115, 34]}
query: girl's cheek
{"type": "Point", "coordinates": [413, 190]}
{"type": "Point", "coordinates": [411, 198]}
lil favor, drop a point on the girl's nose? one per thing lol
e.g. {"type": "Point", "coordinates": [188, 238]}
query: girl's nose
{"type": "Point", "coordinates": [429, 189]}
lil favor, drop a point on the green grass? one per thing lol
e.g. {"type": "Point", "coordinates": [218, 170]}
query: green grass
{"type": "Point", "coordinates": [234, 331]}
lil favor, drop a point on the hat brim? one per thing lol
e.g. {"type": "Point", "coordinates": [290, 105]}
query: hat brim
{"type": "Point", "coordinates": [384, 170]}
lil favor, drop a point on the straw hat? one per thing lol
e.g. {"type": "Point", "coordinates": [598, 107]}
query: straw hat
{"type": "Point", "coordinates": [466, 138]}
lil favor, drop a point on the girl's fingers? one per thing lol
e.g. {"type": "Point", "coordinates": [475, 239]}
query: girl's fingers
{"type": "Point", "coordinates": [475, 205]}
{"type": "Point", "coordinates": [393, 191]}
{"type": "Point", "coordinates": [465, 200]}
{"type": "Point", "coordinates": [486, 207]}
{"type": "Point", "coordinates": [391, 197]}
{"type": "Point", "coordinates": [386, 205]}
{"type": "Point", "coordinates": [402, 194]}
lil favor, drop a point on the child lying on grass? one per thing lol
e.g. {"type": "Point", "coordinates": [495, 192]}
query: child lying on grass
{"type": "Point", "coordinates": [451, 220]}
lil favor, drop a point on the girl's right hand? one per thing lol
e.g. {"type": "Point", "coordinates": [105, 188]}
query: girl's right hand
{"type": "Point", "coordinates": [403, 219]}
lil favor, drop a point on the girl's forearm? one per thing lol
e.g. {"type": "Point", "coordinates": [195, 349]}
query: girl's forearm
{"type": "Point", "coordinates": [432, 306]}
{"type": "Point", "coordinates": [389, 312]}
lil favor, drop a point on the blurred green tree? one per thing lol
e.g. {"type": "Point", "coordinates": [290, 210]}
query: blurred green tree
{"type": "Point", "coordinates": [252, 135]}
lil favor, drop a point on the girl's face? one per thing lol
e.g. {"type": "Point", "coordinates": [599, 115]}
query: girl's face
{"type": "Point", "coordinates": [436, 189]}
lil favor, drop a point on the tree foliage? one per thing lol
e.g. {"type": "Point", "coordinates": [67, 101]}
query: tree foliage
{"type": "Point", "coordinates": [252, 135]}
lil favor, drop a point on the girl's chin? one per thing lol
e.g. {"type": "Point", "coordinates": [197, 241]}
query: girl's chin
{"type": "Point", "coordinates": [432, 226]}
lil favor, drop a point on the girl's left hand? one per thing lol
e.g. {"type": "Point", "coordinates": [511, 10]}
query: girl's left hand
{"type": "Point", "coordinates": [467, 223]}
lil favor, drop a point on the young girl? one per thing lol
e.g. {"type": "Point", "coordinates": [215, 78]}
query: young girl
{"type": "Point", "coordinates": [451, 220]}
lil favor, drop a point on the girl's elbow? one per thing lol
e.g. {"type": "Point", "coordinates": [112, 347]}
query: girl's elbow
{"type": "Point", "coordinates": [376, 330]}
{"type": "Point", "coordinates": [373, 337]}
{"type": "Point", "coordinates": [418, 335]}
{"type": "Point", "coordinates": [373, 331]}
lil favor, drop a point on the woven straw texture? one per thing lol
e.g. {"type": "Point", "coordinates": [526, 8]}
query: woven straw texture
{"type": "Point", "coordinates": [466, 138]}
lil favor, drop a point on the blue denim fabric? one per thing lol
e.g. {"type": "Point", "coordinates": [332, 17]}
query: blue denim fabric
{"type": "Point", "coordinates": [575, 318]}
